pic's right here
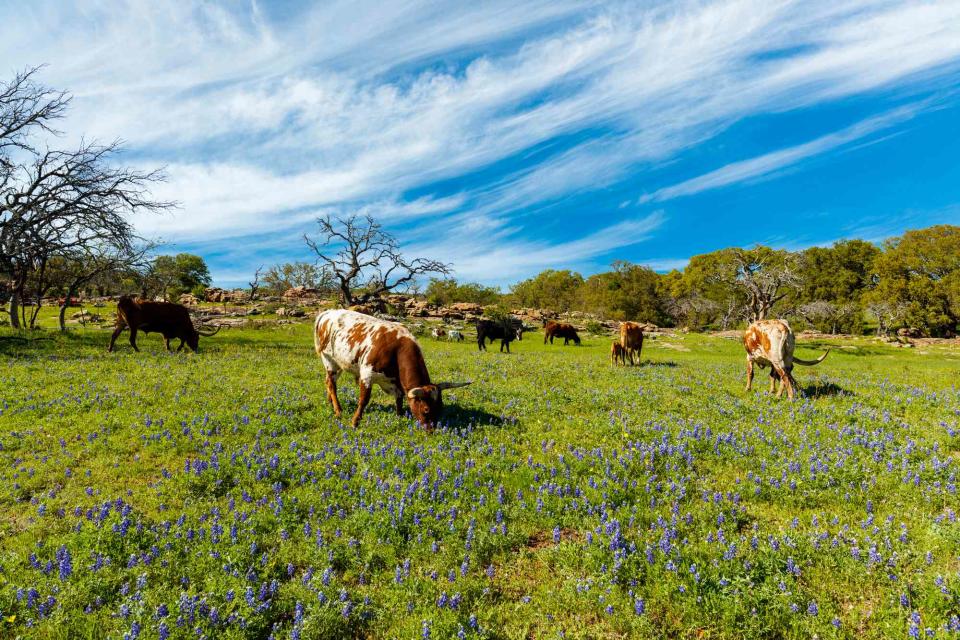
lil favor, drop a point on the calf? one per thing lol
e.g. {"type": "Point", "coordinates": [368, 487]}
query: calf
{"type": "Point", "coordinates": [438, 333]}
{"type": "Point", "coordinates": [506, 331]}
{"type": "Point", "coordinates": [455, 336]}
{"type": "Point", "coordinates": [166, 318]}
{"type": "Point", "coordinates": [563, 330]}
{"type": "Point", "coordinates": [631, 340]}
{"type": "Point", "coordinates": [770, 343]}
{"type": "Point", "coordinates": [618, 355]}
{"type": "Point", "coordinates": [377, 352]}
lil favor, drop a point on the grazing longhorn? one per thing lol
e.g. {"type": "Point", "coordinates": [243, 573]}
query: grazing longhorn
{"type": "Point", "coordinates": [166, 318]}
{"type": "Point", "coordinates": [770, 343]}
{"type": "Point", "coordinates": [631, 340]}
{"type": "Point", "coordinates": [563, 330]}
{"type": "Point", "coordinates": [506, 331]}
{"type": "Point", "coordinates": [377, 352]}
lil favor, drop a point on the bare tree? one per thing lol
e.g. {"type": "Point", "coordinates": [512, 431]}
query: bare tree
{"type": "Point", "coordinates": [889, 315]}
{"type": "Point", "coordinates": [764, 275]}
{"type": "Point", "coordinates": [364, 260]}
{"type": "Point", "coordinates": [692, 310]}
{"type": "Point", "coordinates": [60, 202]}
{"type": "Point", "coordinates": [56, 203]}
{"type": "Point", "coordinates": [26, 105]}
{"type": "Point", "coordinates": [255, 283]}
{"type": "Point", "coordinates": [826, 315]}
{"type": "Point", "coordinates": [89, 262]}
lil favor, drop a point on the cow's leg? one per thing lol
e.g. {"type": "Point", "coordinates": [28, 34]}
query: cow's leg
{"type": "Point", "coordinates": [332, 376]}
{"type": "Point", "coordinates": [180, 348]}
{"type": "Point", "coordinates": [362, 404]}
{"type": "Point", "coordinates": [133, 338]}
{"type": "Point", "coordinates": [399, 396]}
{"type": "Point", "coordinates": [773, 379]}
{"type": "Point", "coordinates": [749, 374]}
{"type": "Point", "coordinates": [480, 341]}
{"type": "Point", "coordinates": [166, 342]}
{"type": "Point", "coordinates": [787, 379]}
{"type": "Point", "coordinates": [115, 335]}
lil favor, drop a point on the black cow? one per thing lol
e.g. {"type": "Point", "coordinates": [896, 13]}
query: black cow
{"type": "Point", "coordinates": [505, 330]}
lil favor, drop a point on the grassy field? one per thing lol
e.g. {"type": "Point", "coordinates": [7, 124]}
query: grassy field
{"type": "Point", "coordinates": [160, 495]}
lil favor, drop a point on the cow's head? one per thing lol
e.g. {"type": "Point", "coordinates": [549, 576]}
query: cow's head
{"type": "Point", "coordinates": [426, 402]}
{"type": "Point", "coordinates": [194, 333]}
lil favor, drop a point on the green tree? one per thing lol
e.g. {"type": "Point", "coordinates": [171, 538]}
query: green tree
{"type": "Point", "coordinates": [184, 272]}
{"type": "Point", "coordinates": [628, 292]}
{"type": "Point", "coordinates": [444, 291]}
{"type": "Point", "coordinates": [921, 270]}
{"type": "Point", "coordinates": [554, 290]}
{"type": "Point", "coordinates": [281, 277]}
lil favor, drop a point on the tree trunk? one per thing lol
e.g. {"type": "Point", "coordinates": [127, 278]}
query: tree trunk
{"type": "Point", "coordinates": [63, 309]}
{"type": "Point", "coordinates": [347, 295]}
{"type": "Point", "coordinates": [14, 309]}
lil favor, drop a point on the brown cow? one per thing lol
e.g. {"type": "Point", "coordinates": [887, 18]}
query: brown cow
{"type": "Point", "coordinates": [377, 352]}
{"type": "Point", "coordinates": [563, 330]}
{"type": "Point", "coordinates": [770, 343]}
{"type": "Point", "coordinates": [618, 355]}
{"type": "Point", "coordinates": [631, 340]}
{"type": "Point", "coordinates": [166, 318]}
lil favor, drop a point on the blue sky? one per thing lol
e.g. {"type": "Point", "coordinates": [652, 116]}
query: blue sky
{"type": "Point", "coordinates": [509, 137]}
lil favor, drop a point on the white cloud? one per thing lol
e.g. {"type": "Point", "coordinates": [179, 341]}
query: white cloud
{"type": "Point", "coordinates": [267, 116]}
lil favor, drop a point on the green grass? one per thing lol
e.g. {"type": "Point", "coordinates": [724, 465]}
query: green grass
{"type": "Point", "coordinates": [578, 485]}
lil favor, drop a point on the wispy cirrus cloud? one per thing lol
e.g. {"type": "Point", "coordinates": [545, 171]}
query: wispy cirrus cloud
{"type": "Point", "coordinates": [464, 115]}
{"type": "Point", "coordinates": [769, 163]}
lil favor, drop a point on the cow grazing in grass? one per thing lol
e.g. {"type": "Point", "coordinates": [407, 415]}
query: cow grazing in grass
{"type": "Point", "coordinates": [455, 336]}
{"type": "Point", "coordinates": [631, 340]}
{"type": "Point", "coordinates": [504, 330]}
{"type": "Point", "coordinates": [618, 355]}
{"type": "Point", "coordinates": [438, 333]}
{"type": "Point", "coordinates": [770, 343]}
{"type": "Point", "coordinates": [377, 352]}
{"type": "Point", "coordinates": [563, 330]}
{"type": "Point", "coordinates": [166, 318]}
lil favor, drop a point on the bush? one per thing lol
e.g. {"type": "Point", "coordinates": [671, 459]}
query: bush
{"type": "Point", "coordinates": [596, 328]}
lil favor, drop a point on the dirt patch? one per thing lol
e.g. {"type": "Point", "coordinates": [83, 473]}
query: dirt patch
{"type": "Point", "coordinates": [543, 539]}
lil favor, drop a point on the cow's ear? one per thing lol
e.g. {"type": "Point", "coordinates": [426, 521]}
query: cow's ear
{"type": "Point", "coordinates": [452, 385]}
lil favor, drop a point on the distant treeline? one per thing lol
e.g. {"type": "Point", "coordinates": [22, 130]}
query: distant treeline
{"type": "Point", "coordinates": [850, 287]}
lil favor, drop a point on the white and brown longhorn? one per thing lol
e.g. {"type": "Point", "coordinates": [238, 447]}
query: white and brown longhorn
{"type": "Point", "coordinates": [770, 343]}
{"type": "Point", "coordinates": [377, 352]}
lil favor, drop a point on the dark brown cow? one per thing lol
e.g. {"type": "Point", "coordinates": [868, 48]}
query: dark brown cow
{"type": "Point", "coordinates": [631, 340]}
{"type": "Point", "coordinates": [563, 330]}
{"type": "Point", "coordinates": [166, 318]}
{"type": "Point", "coordinates": [770, 343]}
{"type": "Point", "coordinates": [377, 352]}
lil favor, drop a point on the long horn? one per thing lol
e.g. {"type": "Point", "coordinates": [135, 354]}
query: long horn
{"type": "Point", "coordinates": [810, 363]}
{"type": "Point", "coordinates": [208, 332]}
{"type": "Point", "coordinates": [452, 385]}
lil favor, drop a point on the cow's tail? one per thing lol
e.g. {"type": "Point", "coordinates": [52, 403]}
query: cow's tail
{"type": "Point", "coordinates": [810, 363]}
